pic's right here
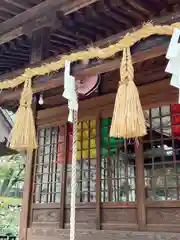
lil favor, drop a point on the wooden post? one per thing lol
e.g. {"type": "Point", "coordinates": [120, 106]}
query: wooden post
{"type": "Point", "coordinates": [140, 187]}
{"type": "Point", "coordinates": [40, 39]}
{"type": "Point", "coordinates": [98, 173]}
{"type": "Point", "coordinates": [40, 44]}
{"type": "Point", "coordinates": [24, 217]}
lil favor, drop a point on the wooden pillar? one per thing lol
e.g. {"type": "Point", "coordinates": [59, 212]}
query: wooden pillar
{"type": "Point", "coordinates": [40, 39]}
{"type": "Point", "coordinates": [98, 172]}
{"type": "Point", "coordinates": [140, 187]}
{"type": "Point", "coordinates": [40, 45]}
{"type": "Point", "coordinates": [24, 217]}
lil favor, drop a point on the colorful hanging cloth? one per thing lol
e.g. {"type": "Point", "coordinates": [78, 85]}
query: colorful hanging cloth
{"type": "Point", "coordinates": [176, 120]}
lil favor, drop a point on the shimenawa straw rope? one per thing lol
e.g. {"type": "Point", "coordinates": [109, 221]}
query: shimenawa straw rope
{"type": "Point", "coordinates": [24, 118]}
{"type": "Point", "coordinates": [128, 119]}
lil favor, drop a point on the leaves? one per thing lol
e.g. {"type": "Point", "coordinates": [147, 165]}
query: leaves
{"type": "Point", "coordinates": [9, 216]}
{"type": "Point", "coordinates": [11, 175]}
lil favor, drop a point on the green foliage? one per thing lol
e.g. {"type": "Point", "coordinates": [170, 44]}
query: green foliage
{"type": "Point", "coordinates": [11, 176]}
{"type": "Point", "coordinates": [11, 173]}
{"type": "Point", "coordinates": [9, 219]}
{"type": "Point", "coordinates": [10, 200]}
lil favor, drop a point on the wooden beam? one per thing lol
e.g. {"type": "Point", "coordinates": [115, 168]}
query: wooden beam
{"type": "Point", "coordinates": [46, 7]}
{"type": "Point", "coordinates": [168, 19]}
{"type": "Point", "coordinates": [153, 49]}
{"type": "Point", "coordinates": [40, 40]}
{"type": "Point", "coordinates": [151, 95]}
{"type": "Point", "coordinates": [40, 44]}
{"type": "Point", "coordinates": [39, 16]}
{"type": "Point", "coordinates": [21, 4]}
{"type": "Point", "coordinates": [79, 71]}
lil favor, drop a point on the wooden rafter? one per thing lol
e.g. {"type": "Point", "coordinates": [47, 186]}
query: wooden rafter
{"type": "Point", "coordinates": [153, 49]}
{"type": "Point", "coordinates": [49, 82]}
{"type": "Point", "coordinates": [21, 4]}
{"type": "Point", "coordinates": [39, 16]}
{"type": "Point", "coordinates": [114, 38]}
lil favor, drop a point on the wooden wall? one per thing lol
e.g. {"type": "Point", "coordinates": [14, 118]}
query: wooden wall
{"type": "Point", "coordinates": [113, 216]}
{"type": "Point", "coordinates": [151, 95]}
{"type": "Point", "coordinates": [117, 221]}
{"type": "Point", "coordinates": [63, 234]}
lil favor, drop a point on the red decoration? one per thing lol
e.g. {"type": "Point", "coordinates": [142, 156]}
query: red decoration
{"type": "Point", "coordinates": [70, 140]}
{"type": "Point", "coordinates": [61, 145]}
{"type": "Point", "coordinates": [176, 120]}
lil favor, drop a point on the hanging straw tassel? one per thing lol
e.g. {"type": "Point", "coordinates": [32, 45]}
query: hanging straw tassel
{"type": "Point", "coordinates": [23, 134]}
{"type": "Point", "coordinates": [128, 119]}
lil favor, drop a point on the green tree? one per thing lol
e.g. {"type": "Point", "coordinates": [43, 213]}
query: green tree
{"type": "Point", "coordinates": [9, 219]}
{"type": "Point", "coordinates": [11, 176]}
{"type": "Point", "coordinates": [11, 173]}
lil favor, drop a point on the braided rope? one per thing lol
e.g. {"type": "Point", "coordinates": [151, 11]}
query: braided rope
{"type": "Point", "coordinates": [126, 67]}
{"type": "Point", "coordinates": [73, 177]}
{"type": "Point", "coordinates": [23, 133]}
{"type": "Point", "coordinates": [128, 119]}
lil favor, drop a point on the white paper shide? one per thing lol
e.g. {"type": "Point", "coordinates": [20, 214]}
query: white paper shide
{"type": "Point", "coordinates": [173, 55]}
{"type": "Point", "coordinates": [70, 91]}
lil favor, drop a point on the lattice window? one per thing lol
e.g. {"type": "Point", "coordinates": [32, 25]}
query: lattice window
{"type": "Point", "coordinates": [86, 163]}
{"type": "Point", "coordinates": [162, 153]}
{"type": "Point", "coordinates": [48, 168]}
{"type": "Point", "coordinates": [117, 167]}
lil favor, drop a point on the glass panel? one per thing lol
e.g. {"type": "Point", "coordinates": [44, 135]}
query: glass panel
{"type": "Point", "coordinates": [162, 153]}
{"type": "Point", "coordinates": [117, 167]}
{"type": "Point", "coordinates": [86, 163]}
{"type": "Point", "coordinates": [48, 170]}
